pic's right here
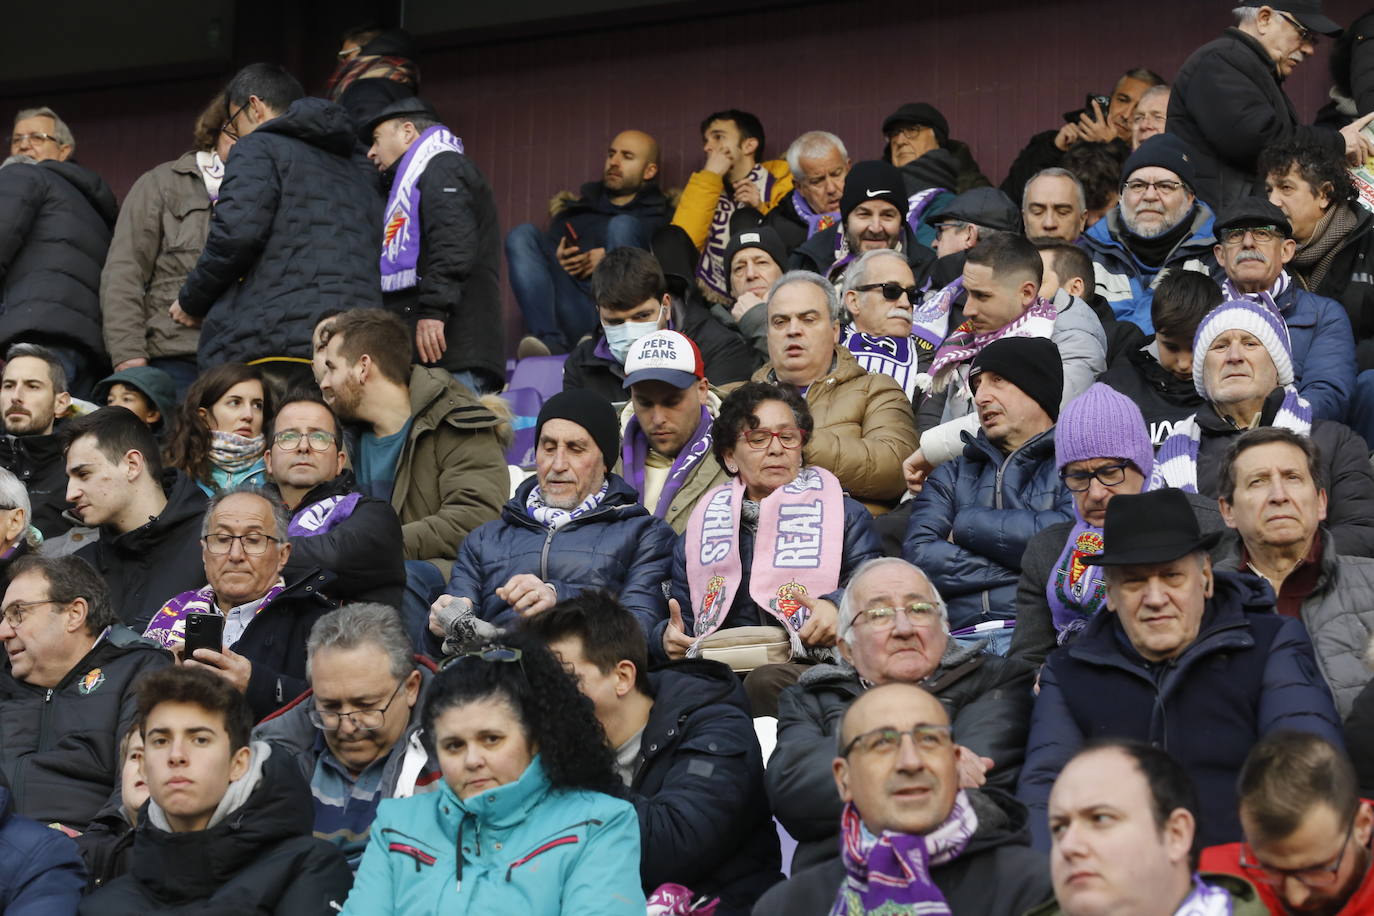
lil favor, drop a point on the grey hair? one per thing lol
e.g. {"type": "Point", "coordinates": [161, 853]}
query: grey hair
{"type": "Point", "coordinates": [812, 145]}
{"type": "Point", "coordinates": [60, 128]}
{"type": "Point", "coordinates": [1158, 89]}
{"type": "Point", "coordinates": [362, 624]}
{"type": "Point", "coordinates": [13, 495]}
{"type": "Point", "coordinates": [1246, 15]}
{"type": "Point", "coordinates": [857, 273]}
{"type": "Point", "coordinates": [832, 299]}
{"type": "Point", "coordinates": [845, 625]}
{"type": "Point", "coordinates": [1056, 172]}
{"type": "Point", "coordinates": [19, 159]}
{"type": "Point", "coordinates": [279, 517]}
{"type": "Point", "coordinates": [57, 373]}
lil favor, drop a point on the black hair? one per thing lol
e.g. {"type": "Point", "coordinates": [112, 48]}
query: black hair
{"type": "Point", "coordinates": [1287, 774]}
{"type": "Point", "coordinates": [188, 447]}
{"type": "Point", "coordinates": [1097, 166]}
{"type": "Point", "coordinates": [737, 414]}
{"type": "Point", "coordinates": [1168, 782]}
{"type": "Point", "coordinates": [198, 687]}
{"type": "Point", "coordinates": [608, 632]}
{"type": "Point", "coordinates": [116, 432]}
{"type": "Point", "coordinates": [1319, 167]}
{"type": "Point", "coordinates": [70, 577]}
{"type": "Point", "coordinates": [301, 396]}
{"type": "Point", "coordinates": [269, 82]}
{"type": "Point", "coordinates": [749, 126]}
{"type": "Point", "coordinates": [1266, 435]}
{"type": "Point", "coordinates": [1008, 254]}
{"type": "Point", "coordinates": [626, 278]}
{"type": "Point", "coordinates": [1181, 300]}
{"type": "Point", "coordinates": [559, 722]}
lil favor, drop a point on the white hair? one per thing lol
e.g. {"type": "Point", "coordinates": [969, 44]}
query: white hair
{"type": "Point", "coordinates": [812, 145]}
{"type": "Point", "coordinates": [60, 128]}
{"type": "Point", "coordinates": [845, 625]}
{"type": "Point", "coordinates": [832, 299]}
{"type": "Point", "coordinates": [13, 495]}
{"type": "Point", "coordinates": [1245, 15]}
{"type": "Point", "coordinates": [19, 159]}
{"type": "Point", "coordinates": [857, 273]}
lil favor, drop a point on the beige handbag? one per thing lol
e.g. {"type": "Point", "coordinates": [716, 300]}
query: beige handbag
{"type": "Point", "coordinates": [747, 648]}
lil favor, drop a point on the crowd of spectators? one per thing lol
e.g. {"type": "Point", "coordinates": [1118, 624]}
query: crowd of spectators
{"type": "Point", "coordinates": [886, 541]}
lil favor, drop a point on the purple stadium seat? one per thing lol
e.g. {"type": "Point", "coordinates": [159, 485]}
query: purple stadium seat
{"type": "Point", "coordinates": [542, 373]}
{"type": "Point", "coordinates": [525, 404]}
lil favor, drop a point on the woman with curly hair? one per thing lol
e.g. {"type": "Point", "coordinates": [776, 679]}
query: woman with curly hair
{"type": "Point", "coordinates": [524, 821]}
{"type": "Point", "coordinates": [217, 440]}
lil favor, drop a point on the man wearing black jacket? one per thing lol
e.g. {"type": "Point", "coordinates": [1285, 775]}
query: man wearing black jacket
{"type": "Point", "coordinates": [440, 244]}
{"type": "Point", "coordinates": [149, 517]}
{"type": "Point", "coordinates": [295, 231]}
{"type": "Point", "coordinates": [33, 394]}
{"type": "Point", "coordinates": [685, 748]}
{"type": "Point", "coordinates": [333, 526]}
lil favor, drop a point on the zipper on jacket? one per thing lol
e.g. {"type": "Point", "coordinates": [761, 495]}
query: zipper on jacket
{"type": "Point", "coordinates": [544, 556]}
{"type": "Point", "coordinates": [17, 789]}
{"type": "Point", "coordinates": [544, 846]}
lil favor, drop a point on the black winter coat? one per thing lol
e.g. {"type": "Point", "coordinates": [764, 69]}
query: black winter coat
{"type": "Point", "coordinates": [1345, 472]}
{"type": "Point", "coordinates": [260, 859]}
{"type": "Point", "coordinates": [704, 821]}
{"type": "Point", "coordinates": [725, 354]}
{"type": "Point", "coordinates": [1038, 154]}
{"type": "Point", "coordinates": [147, 566]}
{"type": "Point", "coordinates": [996, 875]}
{"type": "Point", "coordinates": [1228, 104]}
{"type": "Point", "coordinates": [365, 552]}
{"type": "Point", "coordinates": [987, 698]}
{"type": "Point", "coordinates": [56, 219]}
{"type": "Point", "coordinates": [591, 213]}
{"type": "Point", "coordinates": [105, 848]}
{"type": "Point", "coordinates": [38, 463]}
{"type": "Point", "coordinates": [459, 265]}
{"type": "Point", "coordinates": [1247, 673]}
{"type": "Point", "coordinates": [1359, 738]}
{"type": "Point", "coordinates": [59, 747]}
{"type": "Point", "coordinates": [297, 230]}
{"type": "Point", "coordinates": [1163, 398]}
{"type": "Point", "coordinates": [274, 641]}
{"type": "Point", "coordinates": [1350, 281]}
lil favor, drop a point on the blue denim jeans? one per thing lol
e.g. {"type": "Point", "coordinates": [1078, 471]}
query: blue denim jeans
{"type": "Point", "coordinates": [424, 584]}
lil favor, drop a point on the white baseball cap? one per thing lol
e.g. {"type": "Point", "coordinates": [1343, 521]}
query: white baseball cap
{"type": "Point", "coordinates": [664, 356]}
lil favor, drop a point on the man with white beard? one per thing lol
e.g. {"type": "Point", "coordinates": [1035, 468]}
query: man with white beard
{"type": "Point", "coordinates": [1158, 225]}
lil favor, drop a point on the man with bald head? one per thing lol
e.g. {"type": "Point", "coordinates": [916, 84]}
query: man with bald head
{"type": "Point", "coordinates": [550, 272]}
{"type": "Point", "coordinates": [912, 840]}
{"type": "Point", "coordinates": [893, 629]}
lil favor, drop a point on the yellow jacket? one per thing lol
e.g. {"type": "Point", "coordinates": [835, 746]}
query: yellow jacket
{"type": "Point", "coordinates": [698, 201]}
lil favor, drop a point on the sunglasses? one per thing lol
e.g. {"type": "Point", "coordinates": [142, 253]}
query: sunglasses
{"type": "Point", "coordinates": [892, 291]}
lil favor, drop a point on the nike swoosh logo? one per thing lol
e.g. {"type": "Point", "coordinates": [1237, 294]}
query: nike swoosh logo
{"type": "Point", "coordinates": [874, 193]}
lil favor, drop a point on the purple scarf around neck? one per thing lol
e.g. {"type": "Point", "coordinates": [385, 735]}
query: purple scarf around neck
{"type": "Point", "coordinates": [1076, 591]}
{"type": "Point", "coordinates": [890, 873]}
{"type": "Point", "coordinates": [401, 232]}
{"type": "Point", "coordinates": [319, 517]}
{"type": "Point", "coordinates": [815, 222]}
{"type": "Point", "coordinates": [636, 450]}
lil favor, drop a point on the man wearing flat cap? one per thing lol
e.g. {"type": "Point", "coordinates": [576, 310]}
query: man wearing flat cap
{"type": "Point", "coordinates": [1188, 659]}
{"type": "Point", "coordinates": [873, 215]}
{"type": "Point", "coordinates": [1157, 226]}
{"type": "Point", "coordinates": [1254, 243]}
{"type": "Point", "coordinates": [440, 244]}
{"type": "Point", "coordinates": [916, 130]}
{"type": "Point", "coordinates": [1228, 101]}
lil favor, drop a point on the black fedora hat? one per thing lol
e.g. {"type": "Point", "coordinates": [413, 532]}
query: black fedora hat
{"type": "Point", "coordinates": [1154, 527]}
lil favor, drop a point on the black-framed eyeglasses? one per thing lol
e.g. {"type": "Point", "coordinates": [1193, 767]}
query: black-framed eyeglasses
{"type": "Point", "coordinates": [892, 291]}
{"type": "Point", "coordinates": [317, 439]}
{"type": "Point", "coordinates": [1139, 186]}
{"type": "Point", "coordinates": [228, 128]}
{"type": "Point", "coordinates": [760, 439]}
{"type": "Point", "coordinates": [254, 544]}
{"type": "Point", "coordinates": [1261, 234]}
{"type": "Point", "coordinates": [363, 720]}
{"type": "Point", "coordinates": [1109, 475]}
{"type": "Point", "coordinates": [927, 739]}
{"type": "Point", "coordinates": [19, 140]}
{"type": "Point", "coordinates": [14, 612]}
{"type": "Point", "coordinates": [1318, 876]}
{"type": "Point", "coordinates": [1305, 35]}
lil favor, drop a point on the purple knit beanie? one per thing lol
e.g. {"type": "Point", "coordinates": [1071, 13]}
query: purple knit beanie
{"type": "Point", "coordinates": [1103, 423]}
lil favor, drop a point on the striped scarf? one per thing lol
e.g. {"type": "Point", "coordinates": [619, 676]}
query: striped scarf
{"type": "Point", "coordinates": [963, 345]}
{"type": "Point", "coordinates": [1176, 461]}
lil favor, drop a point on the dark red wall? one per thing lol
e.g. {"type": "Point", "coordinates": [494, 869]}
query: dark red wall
{"type": "Point", "coordinates": [536, 114]}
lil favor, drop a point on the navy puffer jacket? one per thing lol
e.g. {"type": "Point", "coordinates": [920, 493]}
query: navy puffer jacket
{"type": "Point", "coordinates": [56, 219]}
{"type": "Point", "coordinates": [974, 518]}
{"type": "Point", "coordinates": [1249, 671]}
{"type": "Point", "coordinates": [619, 547]}
{"type": "Point", "coordinates": [296, 231]}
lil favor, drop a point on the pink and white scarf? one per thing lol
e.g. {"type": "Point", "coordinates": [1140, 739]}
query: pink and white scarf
{"type": "Point", "coordinates": [797, 550]}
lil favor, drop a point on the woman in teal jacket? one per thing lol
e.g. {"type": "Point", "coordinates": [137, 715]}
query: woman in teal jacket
{"type": "Point", "coordinates": [524, 822]}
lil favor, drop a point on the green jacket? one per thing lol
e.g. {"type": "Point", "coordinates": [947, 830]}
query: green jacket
{"type": "Point", "coordinates": [1245, 900]}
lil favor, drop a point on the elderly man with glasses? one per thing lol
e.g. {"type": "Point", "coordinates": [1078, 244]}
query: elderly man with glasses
{"type": "Point", "coordinates": [356, 732]}
{"type": "Point", "coordinates": [333, 525]}
{"type": "Point", "coordinates": [264, 618]}
{"type": "Point", "coordinates": [893, 629]}
{"type": "Point", "coordinates": [1254, 245]}
{"type": "Point", "coordinates": [40, 134]}
{"type": "Point", "coordinates": [915, 838]}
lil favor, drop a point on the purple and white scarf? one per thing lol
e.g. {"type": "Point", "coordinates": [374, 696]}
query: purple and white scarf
{"type": "Point", "coordinates": [1176, 461]}
{"type": "Point", "coordinates": [552, 517]}
{"type": "Point", "coordinates": [815, 222]}
{"type": "Point", "coordinates": [896, 357]}
{"type": "Point", "coordinates": [890, 873]}
{"type": "Point", "coordinates": [963, 345]}
{"type": "Point", "coordinates": [636, 450]}
{"type": "Point", "coordinates": [401, 227]}
{"type": "Point", "coordinates": [211, 172]}
{"type": "Point", "coordinates": [168, 626]}
{"type": "Point", "coordinates": [917, 204]}
{"type": "Point", "coordinates": [1076, 591]}
{"type": "Point", "coordinates": [930, 319]}
{"type": "Point", "coordinates": [711, 267]}
{"type": "Point", "coordinates": [1206, 900]}
{"type": "Point", "coordinates": [1267, 296]}
{"type": "Point", "coordinates": [317, 518]}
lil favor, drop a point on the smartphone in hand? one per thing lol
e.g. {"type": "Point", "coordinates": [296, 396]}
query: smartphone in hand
{"type": "Point", "coordinates": [203, 631]}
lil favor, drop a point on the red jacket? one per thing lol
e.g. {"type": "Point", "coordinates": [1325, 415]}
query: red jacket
{"type": "Point", "coordinates": [1226, 859]}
